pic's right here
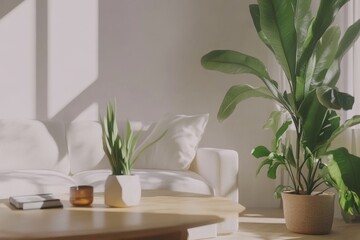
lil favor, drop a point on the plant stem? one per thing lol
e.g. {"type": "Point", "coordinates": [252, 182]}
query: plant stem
{"type": "Point", "coordinates": [299, 186]}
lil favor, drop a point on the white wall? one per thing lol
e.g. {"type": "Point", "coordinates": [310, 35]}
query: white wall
{"type": "Point", "coordinates": [65, 59]}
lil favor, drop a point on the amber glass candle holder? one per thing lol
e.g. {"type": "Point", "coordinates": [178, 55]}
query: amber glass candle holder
{"type": "Point", "coordinates": [81, 196]}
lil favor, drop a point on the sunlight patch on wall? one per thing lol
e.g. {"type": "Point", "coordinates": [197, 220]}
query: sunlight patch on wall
{"type": "Point", "coordinates": [17, 62]}
{"type": "Point", "coordinates": [72, 51]}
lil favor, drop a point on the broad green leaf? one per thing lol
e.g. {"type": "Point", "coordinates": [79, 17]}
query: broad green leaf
{"type": "Point", "coordinates": [279, 189]}
{"type": "Point", "coordinates": [277, 143]}
{"type": "Point", "coordinates": [260, 151]}
{"type": "Point", "coordinates": [333, 99]}
{"type": "Point", "coordinates": [273, 169]}
{"type": "Point", "coordinates": [325, 16]}
{"type": "Point", "coordinates": [347, 124]}
{"type": "Point", "coordinates": [237, 94]}
{"type": "Point", "coordinates": [267, 161]}
{"type": "Point", "coordinates": [309, 73]}
{"type": "Point", "coordinates": [299, 89]}
{"type": "Point", "coordinates": [289, 155]}
{"type": "Point", "coordinates": [288, 97]}
{"type": "Point", "coordinates": [282, 129]}
{"type": "Point", "coordinates": [312, 115]}
{"type": "Point", "coordinates": [255, 15]}
{"type": "Point", "coordinates": [273, 121]}
{"type": "Point", "coordinates": [302, 22]}
{"type": "Point", "coordinates": [277, 23]}
{"type": "Point", "coordinates": [344, 169]}
{"type": "Point", "coordinates": [349, 38]}
{"type": "Point", "coordinates": [228, 61]}
{"type": "Point", "coordinates": [349, 166]}
{"type": "Point", "coordinates": [329, 126]}
{"type": "Point", "coordinates": [325, 53]}
{"type": "Point", "coordinates": [333, 74]}
{"type": "Point", "coordinates": [233, 62]}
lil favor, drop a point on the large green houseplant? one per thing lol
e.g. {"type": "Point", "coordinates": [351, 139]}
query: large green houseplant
{"type": "Point", "coordinates": [309, 49]}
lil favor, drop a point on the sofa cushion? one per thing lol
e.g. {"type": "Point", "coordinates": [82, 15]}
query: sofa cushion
{"type": "Point", "coordinates": [175, 151]}
{"type": "Point", "coordinates": [179, 181]}
{"type": "Point", "coordinates": [85, 146]}
{"type": "Point", "coordinates": [177, 148]}
{"type": "Point", "coordinates": [33, 144]}
{"type": "Point", "coordinates": [22, 182]}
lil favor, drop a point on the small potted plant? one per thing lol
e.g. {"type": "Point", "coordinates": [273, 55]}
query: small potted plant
{"type": "Point", "coordinates": [122, 188]}
{"type": "Point", "coordinates": [309, 50]}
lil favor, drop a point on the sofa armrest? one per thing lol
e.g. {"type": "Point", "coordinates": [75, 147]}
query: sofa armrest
{"type": "Point", "coordinates": [219, 167]}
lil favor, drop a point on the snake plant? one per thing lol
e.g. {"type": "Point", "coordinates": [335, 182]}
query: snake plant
{"type": "Point", "coordinates": [309, 49]}
{"type": "Point", "coordinates": [121, 150]}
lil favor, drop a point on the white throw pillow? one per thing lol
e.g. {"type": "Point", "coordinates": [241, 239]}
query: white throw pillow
{"type": "Point", "coordinates": [177, 148]}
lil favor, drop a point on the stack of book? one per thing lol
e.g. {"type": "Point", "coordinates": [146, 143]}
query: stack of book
{"type": "Point", "coordinates": [36, 201]}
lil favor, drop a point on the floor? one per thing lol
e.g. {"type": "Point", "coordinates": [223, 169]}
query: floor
{"type": "Point", "coordinates": [269, 224]}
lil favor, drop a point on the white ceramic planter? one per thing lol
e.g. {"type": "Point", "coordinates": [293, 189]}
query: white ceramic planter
{"type": "Point", "coordinates": [308, 214]}
{"type": "Point", "coordinates": [122, 190]}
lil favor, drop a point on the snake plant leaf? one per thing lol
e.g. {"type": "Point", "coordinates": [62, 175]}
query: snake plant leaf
{"type": "Point", "coordinates": [146, 146]}
{"type": "Point", "coordinates": [277, 23]}
{"type": "Point", "coordinates": [255, 15]}
{"type": "Point", "coordinates": [341, 164]}
{"type": "Point", "coordinates": [349, 38]}
{"type": "Point", "coordinates": [260, 151]}
{"type": "Point", "coordinates": [325, 53]}
{"type": "Point", "coordinates": [325, 16]}
{"type": "Point", "coordinates": [237, 94]}
{"type": "Point", "coordinates": [333, 99]}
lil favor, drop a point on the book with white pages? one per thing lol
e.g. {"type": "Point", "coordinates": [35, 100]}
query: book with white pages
{"type": "Point", "coordinates": [35, 201]}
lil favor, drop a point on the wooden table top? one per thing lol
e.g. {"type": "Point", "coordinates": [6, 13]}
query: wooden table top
{"type": "Point", "coordinates": [158, 212]}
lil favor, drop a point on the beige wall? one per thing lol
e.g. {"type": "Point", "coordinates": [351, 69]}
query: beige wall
{"type": "Point", "coordinates": [65, 59]}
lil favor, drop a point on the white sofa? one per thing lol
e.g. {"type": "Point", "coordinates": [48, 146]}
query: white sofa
{"type": "Point", "coordinates": [50, 156]}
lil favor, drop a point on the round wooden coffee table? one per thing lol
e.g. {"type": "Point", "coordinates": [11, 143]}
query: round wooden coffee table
{"type": "Point", "coordinates": [160, 215]}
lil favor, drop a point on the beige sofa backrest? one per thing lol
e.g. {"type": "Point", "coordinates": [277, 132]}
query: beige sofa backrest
{"type": "Point", "coordinates": [33, 144]}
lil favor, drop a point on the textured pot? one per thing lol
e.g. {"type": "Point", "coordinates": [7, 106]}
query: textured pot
{"type": "Point", "coordinates": [308, 214]}
{"type": "Point", "coordinates": [122, 190]}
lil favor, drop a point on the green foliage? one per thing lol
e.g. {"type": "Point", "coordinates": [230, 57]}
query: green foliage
{"type": "Point", "coordinates": [120, 150]}
{"type": "Point", "coordinates": [344, 179]}
{"type": "Point", "coordinates": [309, 50]}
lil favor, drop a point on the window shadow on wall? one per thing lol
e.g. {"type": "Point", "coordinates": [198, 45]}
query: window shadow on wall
{"type": "Point", "coordinates": [97, 92]}
{"type": "Point", "coordinates": [7, 6]}
{"type": "Point", "coordinates": [41, 59]}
